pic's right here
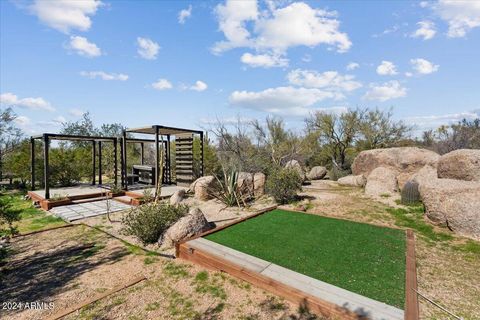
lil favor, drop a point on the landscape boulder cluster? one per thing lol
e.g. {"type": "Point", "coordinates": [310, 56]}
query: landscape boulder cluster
{"type": "Point", "coordinates": [449, 185]}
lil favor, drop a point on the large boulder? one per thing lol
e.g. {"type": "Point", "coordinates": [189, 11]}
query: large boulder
{"type": "Point", "coordinates": [245, 184]}
{"type": "Point", "coordinates": [463, 164]}
{"type": "Point", "coordinates": [425, 175]}
{"type": "Point", "coordinates": [404, 160]}
{"type": "Point", "coordinates": [317, 173]}
{"type": "Point", "coordinates": [352, 181]}
{"type": "Point", "coordinates": [203, 187]}
{"type": "Point", "coordinates": [177, 197]}
{"type": "Point", "coordinates": [259, 179]}
{"type": "Point", "coordinates": [294, 164]}
{"type": "Point", "coordinates": [453, 203]}
{"type": "Point", "coordinates": [381, 181]}
{"type": "Point", "coordinates": [188, 226]}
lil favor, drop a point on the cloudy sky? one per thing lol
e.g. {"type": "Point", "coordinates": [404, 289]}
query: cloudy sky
{"type": "Point", "coordinates": [188, 63]}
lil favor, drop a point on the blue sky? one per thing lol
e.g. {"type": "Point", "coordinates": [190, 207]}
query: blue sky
{"type": "Point", "coordinates": [188, 63]}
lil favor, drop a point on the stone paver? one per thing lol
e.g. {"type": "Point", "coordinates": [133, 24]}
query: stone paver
{"type": "Point", "coordinates": [78, 211]}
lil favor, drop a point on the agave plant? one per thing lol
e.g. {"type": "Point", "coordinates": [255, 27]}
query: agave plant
{"type": "Point", "coordinates": [227, 191]}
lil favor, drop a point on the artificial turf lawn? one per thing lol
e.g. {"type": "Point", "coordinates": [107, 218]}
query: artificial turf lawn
{"type": "Point", "coordinates": [362, 258]}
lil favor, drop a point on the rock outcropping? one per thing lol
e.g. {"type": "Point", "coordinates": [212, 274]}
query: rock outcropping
{"type": "Point", "coordinates": [463, 164]}
{"type": "Point", "coordinates": [453, 203]}
{"type": "Point", "coordinates": [188, 226]}
{"type": "Point", "coordinates": [381, 181]}
{"type": "Point", "coordinates": [406, 161]}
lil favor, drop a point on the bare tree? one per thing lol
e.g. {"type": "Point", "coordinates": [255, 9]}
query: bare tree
{"type": "Point", "coordinates": [10, 135]}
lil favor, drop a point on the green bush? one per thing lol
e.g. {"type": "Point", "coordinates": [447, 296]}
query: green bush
{"type": "Point", "coordinates": [283, 184]}
{"type": "Point", "coordinates": [148, 221]}
{"type": "Point", "coordinates": [334, 174]}
{"type": "Point", "coordinates": [8, 215]}
{"type": "Point", "coordinates": [63, 167]}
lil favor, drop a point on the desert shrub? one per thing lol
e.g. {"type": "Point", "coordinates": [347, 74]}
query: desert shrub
{"type": "Point", "coordinates": [283, 184]}
{"type": "Point", "coordinates": [8, 215]}
{"type": "Point", "coordinates": [148, 221]}
{"type": "Point", "coordinates": [335, 173]}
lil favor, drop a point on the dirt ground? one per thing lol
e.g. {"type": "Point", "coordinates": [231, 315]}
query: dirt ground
{"type": "Point", "coordinates": [64, 268]}
{"type": "Point", "coordinates": [61, 266]}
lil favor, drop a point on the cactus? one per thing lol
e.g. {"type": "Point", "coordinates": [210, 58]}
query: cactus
{"type": "Point", "coordinates": [410, 193]}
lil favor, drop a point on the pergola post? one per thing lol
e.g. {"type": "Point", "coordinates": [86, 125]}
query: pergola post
{"type": "Point", "coordinates": [46, 169]}
{"type": "Point", "coordinates": [122, 177]}
{"type": "Point", "coordinates": [142, 153]}
{"type": "Point", "coordinates": [94, 155]}
{"type": "Point", "coordinates": [157, 158]}
{"type": "Point", "coordinates": [32, 164]}
{"type": "Point", "coordinates": [125, 168]}
{"type": "Point", "coordinates": [99, 162]}
{"type": "Point", "coordinates": [168, 166]}
{"type": "Point", "coordinates": [201, 150]}
{"type": "Point", "coordinates": [115, 166]}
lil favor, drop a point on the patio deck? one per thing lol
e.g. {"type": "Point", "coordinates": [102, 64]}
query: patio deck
{"type": "Point", "coordinates": [75, 191]}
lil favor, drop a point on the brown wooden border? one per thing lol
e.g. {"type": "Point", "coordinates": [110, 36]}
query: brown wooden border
{"type": "Point", "coordinates": [411, 297]}
{"type": "Point", "coordinates": [259, 212]}
{"type": "Point", "coordinates": [296, 296]}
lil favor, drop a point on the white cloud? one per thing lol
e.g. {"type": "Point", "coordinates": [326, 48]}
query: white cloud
{"type": "Point", "coordinates": [147, 48]}
{"type": "Point", "coordinates": [199, 86]}
{"type": "Point", "coordinates": [434, 121]}
{"type": "Point", "coordinates": [386, 91]}
{"type": "Point", "coordinates": [59, 119]}
{"type": "Point", "coordinates": [387, 68]}
{"type": "Point", "coordinates": [162, 84]}
{"type": "Point", "coordinates": [184, 14]}
{"type": "Point", "coordinates": [352, 66]}
{"type": "Point", "coordinates": [329, 80]}
{"type": "Point", "coordinates": [11, 99]}
{"type": "Point", "coordinates": [264, 60]}
{"type": "Point", "coordinates": [76, 112]}
{"type": "Point", "coordinates": [65, 15]}
{"type": "Point", "coordinates": [461, 15]}
{"type": "Point", "coordinates": [277, 29]}
{"type": "Point", "coordinates": [422, 66]}
{"type": "Point", "coordinates": [227, 120]}
{"type": "Point", "coordinates": [281, 100]}
{"type": "Point", "coordinates": [104, 76]}
{"type": "Point", "coordinates": [22, 121]}
{"type": "Point", "coordinates": [83, 47]}
{"type": "Point", "coordinates": [426, 30]}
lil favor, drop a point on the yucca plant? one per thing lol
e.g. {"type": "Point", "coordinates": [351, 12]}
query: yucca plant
{"type": "Point", "coordinates": [227, 190]}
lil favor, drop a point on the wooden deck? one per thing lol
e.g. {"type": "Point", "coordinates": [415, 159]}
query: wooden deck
{"type": "Point", "coordinates": [319, 296]}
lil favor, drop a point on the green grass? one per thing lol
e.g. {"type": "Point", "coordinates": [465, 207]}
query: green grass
{"type": "Point", "coordinates": [362, 258]}
{"type": "Point", "coordinates": [412, 216]}
{"type": "Point", "coordinates": [31, 218]}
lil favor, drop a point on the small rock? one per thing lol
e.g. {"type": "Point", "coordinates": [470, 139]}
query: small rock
{"type": "Point", "coordinates": [317, 173]}
{"type": "Point", "coordinates": [177, 197]}
{"type": "Point", "coordinates": [188, 226]}
{"type": "Point", "coordinates": [353, 181]}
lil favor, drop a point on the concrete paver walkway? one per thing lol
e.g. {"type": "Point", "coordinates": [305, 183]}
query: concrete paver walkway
{"type": "Point", "coordinates": [89, 209]}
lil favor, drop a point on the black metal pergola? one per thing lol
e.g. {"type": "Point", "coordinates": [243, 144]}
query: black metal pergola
{"type": "Point", "coordinates": [47, 137]}
{"type": "Point", "coordinates": [159, 132]}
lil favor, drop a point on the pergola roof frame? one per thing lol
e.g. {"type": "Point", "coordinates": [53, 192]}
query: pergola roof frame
{"type": "Point", "coordinates": [157, 130]}
{"type": "Point", "coordinates": [46, 137]}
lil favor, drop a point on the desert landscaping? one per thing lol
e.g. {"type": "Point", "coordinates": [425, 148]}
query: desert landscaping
{"type": "Point", "coordinates": [239, 160]}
